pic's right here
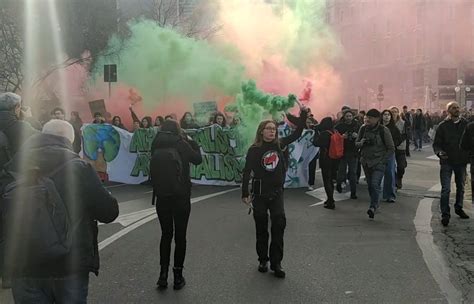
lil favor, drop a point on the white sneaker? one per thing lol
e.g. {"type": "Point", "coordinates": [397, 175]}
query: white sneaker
{"type": "Point", "coordinates": [310, 188]}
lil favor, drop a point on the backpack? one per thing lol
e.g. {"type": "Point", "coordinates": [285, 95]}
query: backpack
{"type": "Point", "coordinates": [38, 227]}
{"type": "Point", "coordinates": [5, 153]}
{"type": "Point", "coordinates": [166, 172]}
{"type": "Point", "coordinates": [336, 145]}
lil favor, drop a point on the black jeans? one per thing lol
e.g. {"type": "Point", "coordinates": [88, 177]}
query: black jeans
{"type": "Point", "coordinates": [329, 172]}
{"type": "Point", "coordinates": [71, 289]}
{"type": "Point", "coordinates": [401, 159]}
{"type": "Point", "coordinates": [261, 206]}
{"type": "Point", "coordinates": [312, 171]}
{"type": "Point", "coordinates": [173, 212]}
{"type": "Point", "coordinates": [346, 161]}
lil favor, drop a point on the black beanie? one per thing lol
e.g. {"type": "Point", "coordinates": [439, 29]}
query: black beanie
{"type": "Point", "coordinates": [373, 113]}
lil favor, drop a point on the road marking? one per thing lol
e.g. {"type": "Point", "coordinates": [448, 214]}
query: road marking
{"type": "Point", "coordinates": [433, 157]}
{"type": "Point", "coordinates": [114, 186]}
{"type": "Point", "coordinates": [151, 216]}
{"type": "Point", "coordinates": [432, 255]}
{"type": "Point", "coordinates": [320, 194]}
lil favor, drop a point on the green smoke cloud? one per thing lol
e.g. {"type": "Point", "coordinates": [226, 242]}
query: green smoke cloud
{"type": "Point", "coordinates": [254, 105]}
{"type": "Point", "coordinates": [161, 64]}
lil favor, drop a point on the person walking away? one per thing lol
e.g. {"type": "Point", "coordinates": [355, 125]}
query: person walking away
{"type": "Point", "coordinates": [172, 152]}
{"type": "Point", "coordinates": [68, 231]}
{"type": "Point", "coordinates": [389, 190]}
{"type": "Point", "coordinates": [400, 150]}
{"type": "Point", "coordinates": [376, 146]}
{"type": "Point", "coordinates": [349, 129]}
{"type": "Point", "coordinates": [419, 127]}
{"type": "Point", "coordinates": [267, 160]}
{"type": "Point", "coordinates": [452, 158]}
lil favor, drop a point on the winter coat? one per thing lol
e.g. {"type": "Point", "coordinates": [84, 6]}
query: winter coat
{"type": "Point", "coordinates": [17, 131]}
{"type": "Point", "coordinates": [85, 197]}
{"type": "Point", "coordinates": [188, 149]}
{"type": "Point", "coordinates": [376, 149]}
{"type": "Point", "coordinates": [448, 140]}
{"type": "Point", "coordinates": [349, 142]}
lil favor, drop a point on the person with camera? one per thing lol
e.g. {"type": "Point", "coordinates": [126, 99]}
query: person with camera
{"type": "Point", "coordinates": [349, 128]}
{"type": "Point", "coordinates": [376, 146]}
{"type": "Point", "coordinates": [452, 158]}
{"type": "Point", "coordinates": [267, 159]}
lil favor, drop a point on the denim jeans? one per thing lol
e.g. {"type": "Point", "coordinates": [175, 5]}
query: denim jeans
{"type": "Point", "coordinates": [71, 289]}
{"type": "Point", "coordinates": [389, 179]}
{"type": "Point", "coordinates": [351, 162]}
{"type": "Point", "coordinates": [374, 177]}
{"type": "Point", "coordinates": [460, 178]}
{"type": "Point", "coordinates": [418, 139]}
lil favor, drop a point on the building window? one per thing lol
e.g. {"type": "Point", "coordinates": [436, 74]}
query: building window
{"type": "Point", "coordinates": [447, 76]}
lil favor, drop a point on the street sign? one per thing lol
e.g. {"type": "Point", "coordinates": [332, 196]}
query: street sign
{"type": "Point", "coordinates": [380, 96]}
{"type": "Point", "coordinates": [110, 73]}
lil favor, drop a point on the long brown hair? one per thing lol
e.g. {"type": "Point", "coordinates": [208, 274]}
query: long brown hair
{"type": "Point", "coordinates": [259, 136]}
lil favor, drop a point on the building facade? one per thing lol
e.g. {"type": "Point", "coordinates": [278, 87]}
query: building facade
{"type": "Point", "coordinates": [417, 52]}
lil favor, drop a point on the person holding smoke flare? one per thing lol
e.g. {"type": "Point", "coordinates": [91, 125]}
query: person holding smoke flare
{"type": "Point", "coordinates": [267, 160]}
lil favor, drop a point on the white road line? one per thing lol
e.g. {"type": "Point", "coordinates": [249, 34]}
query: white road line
{"type": "Point", "coordinates": [115, 186]}
{"type": "Point", "coordinates": [432, 255]}
{"type": "Point", "coordinates": [151, 217]}
{"type": "Point", "coordinates": [320, 194]}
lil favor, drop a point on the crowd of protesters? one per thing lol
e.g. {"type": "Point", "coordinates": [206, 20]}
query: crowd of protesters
{"type": "Point", "coordinates": [376, 142]}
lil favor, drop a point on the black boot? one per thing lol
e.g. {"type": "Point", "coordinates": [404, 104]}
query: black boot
{"type": "Point", "coordinates": [278, 271]}
{"type": "Point", "coordinates": [179, 280]}
{"type": "Point", "coordinates": [163, 279]}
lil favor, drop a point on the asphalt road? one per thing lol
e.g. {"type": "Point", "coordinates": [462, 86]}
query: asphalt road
{"type": "Point", "coordinates": [331, 256]}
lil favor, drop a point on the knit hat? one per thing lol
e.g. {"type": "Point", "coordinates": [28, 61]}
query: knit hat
{"type": "Point", "coordinates": [373, 113]}
{"type": "Point", "coordinates": [59, 128]}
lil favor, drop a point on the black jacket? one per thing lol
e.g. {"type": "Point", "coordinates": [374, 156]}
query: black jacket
{"type": "Point", "coordinates": [448, 139]}
{"type": "Point", "coordinates": [17, 131]}
{"type": "Point", "coordinates": [467, 139]}
{"type": "Point", "coordinates": [419, 122]}
{"type": "Point", "coordinates": [85, 197]}
{"type": "Point", "coordinates": [267, 162]}
{"type": "Point", "coordinates": [188, 149]}
{"type": "Point", "coordinates": [396, 135]}
{"type": "Point", "coordinates": [349, 129]}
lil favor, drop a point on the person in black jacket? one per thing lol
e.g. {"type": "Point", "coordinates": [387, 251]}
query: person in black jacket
{"type": "Point", "coordinates": [407, 117]}
{"type": "Point", "coordinates": [266, 159]}
{"type": "Point", "coordinates": [174, 210]}
{"type": "Point", "coordinates": [389, 188]}
{"type": "Point", "coordinates": [419, 127]}
{"type": "Point", "coordinates": [322, 140]}
{"type": "Point", "coordinates": [66, 279]}
{"type": "Point", "coordinates": [452, 158]}
{"type": "Point", "coordinates": [349, 128]}
{"type": "Point", "coordinates": [467, 144]}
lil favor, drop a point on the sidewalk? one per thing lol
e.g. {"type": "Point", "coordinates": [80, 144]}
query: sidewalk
{"type": "Point", "coordinates": [457, 244]}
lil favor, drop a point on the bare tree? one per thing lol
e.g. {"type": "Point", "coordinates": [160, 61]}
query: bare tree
{"type": "Point", "coordinates": [11, 52]}
{"type": "Point", "coordinates": [190, 17]}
